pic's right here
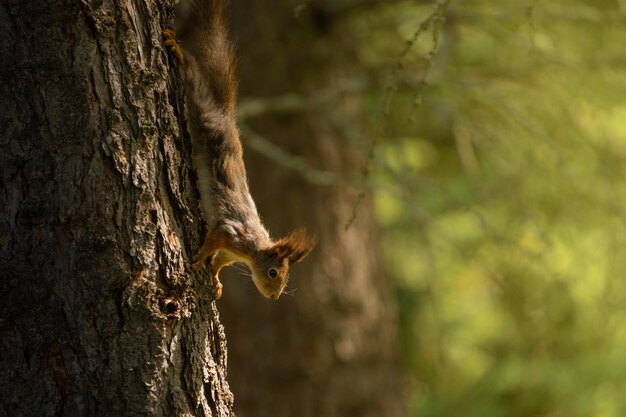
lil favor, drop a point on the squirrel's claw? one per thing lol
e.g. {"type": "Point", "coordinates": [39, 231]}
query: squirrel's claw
{"type": "Point", "coordinates": [172, 44]}
{"type": "Point", "coordinates": [196, 266]}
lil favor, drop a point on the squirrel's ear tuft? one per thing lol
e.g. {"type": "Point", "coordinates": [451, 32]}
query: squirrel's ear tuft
{"type": "Point", "coordinates": [295, 246]}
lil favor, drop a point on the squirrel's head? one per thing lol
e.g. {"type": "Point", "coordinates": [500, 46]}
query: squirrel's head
{"type": "Point", "coordinates": [270, 271]}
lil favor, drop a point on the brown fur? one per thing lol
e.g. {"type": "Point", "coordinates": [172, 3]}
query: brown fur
{"type": "Point", "coordinates": [236, 233]}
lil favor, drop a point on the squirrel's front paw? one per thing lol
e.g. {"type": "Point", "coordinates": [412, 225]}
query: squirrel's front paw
{"type": "Point", "coordinates": [198, 262]}
{"type": "Point", "coordinates": [217, 286]}
{"type": "Point", "coordinates": [172, 44]}
{"type": "Point", "coordinates": [196, 266]}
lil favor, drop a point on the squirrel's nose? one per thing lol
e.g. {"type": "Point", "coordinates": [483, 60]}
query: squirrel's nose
{"type": "Point", "coordinates": [274, 296]}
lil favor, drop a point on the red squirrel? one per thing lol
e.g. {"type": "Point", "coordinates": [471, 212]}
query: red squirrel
{"type": "Point", "coordinates": [235, 231]}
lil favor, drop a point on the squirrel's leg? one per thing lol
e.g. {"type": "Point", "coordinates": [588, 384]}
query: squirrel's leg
{"type": "Point", "coordinates": [219, 260]}
{"type": "Point", "coordinates": [172, 44]}
{"type": "Point", "coordinates": [213, 242]}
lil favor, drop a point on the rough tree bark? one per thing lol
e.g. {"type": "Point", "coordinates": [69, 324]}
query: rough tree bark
{"type": "Point", "coordinates": [98, 313]}
{"type": "Point", "coordinates": [329, 350]}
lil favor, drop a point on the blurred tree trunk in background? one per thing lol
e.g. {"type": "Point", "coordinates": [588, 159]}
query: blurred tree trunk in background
{"type": "Point", "coordinates": [329, 350]}
{"type": "Point", "coordinates": [98, 315]}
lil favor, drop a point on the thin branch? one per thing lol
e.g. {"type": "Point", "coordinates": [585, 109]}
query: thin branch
{"type": "Point", "coordinates": [295, 103]}
{"type": "Point", "coordinates": [335, 8]}
{"type": "Point", "coordinates": [292, 162]}
{"type": "Point", "coordinates": [435, 19]}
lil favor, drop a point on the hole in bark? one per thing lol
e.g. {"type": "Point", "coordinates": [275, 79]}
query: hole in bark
{"type": "Point", "coordinates": [170, 307]}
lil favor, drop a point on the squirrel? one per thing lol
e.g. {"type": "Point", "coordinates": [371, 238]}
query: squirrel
{"type": "Point", "coordinates": [235, 231]}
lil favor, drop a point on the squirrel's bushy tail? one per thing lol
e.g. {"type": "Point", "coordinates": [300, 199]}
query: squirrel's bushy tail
{"type": "Point", "coordinates": [210, 104]}
{"type": "Point", "coordinates": [204, 36]}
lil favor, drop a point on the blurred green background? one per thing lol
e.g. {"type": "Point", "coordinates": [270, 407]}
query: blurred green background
{"type": "Point", "coordinates": [497, 172]}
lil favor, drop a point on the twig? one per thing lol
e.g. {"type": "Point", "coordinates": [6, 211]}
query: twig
{"type": "Point", "coordinates": [436, 19]}
{"type": "Point", "coordinates": [292, 162]}
{"type": "Point", "coordinates": [293, 103]}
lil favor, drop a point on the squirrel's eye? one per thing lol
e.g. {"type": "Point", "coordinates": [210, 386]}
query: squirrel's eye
{"type": "Point", "coordinates": [272, 272]}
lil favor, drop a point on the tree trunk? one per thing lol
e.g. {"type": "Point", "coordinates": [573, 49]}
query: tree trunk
{"type": "Point", "coordinates": [330, 350]}
{"type": "Point", "coordinates": [99, 313]}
